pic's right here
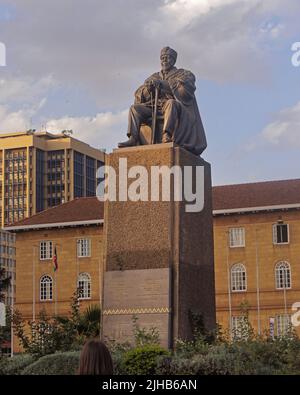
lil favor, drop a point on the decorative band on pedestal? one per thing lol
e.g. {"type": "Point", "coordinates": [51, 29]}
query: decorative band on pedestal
{"type": "Point", "coordinates": [155, 310]}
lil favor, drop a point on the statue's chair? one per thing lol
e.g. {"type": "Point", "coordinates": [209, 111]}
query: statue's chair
{"type": "Point", "coordinates": [146, 131]}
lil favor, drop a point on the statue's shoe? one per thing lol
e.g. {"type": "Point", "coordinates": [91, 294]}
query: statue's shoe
{"type": "Point", "coordinates": [129, 143]}
{"type": "Point", "coordinates": [166, 138]}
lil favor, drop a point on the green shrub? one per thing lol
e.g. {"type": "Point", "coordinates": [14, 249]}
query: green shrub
{"type": "Point", "coordinates": [186, 349]}
{"type": "Point", "coordinates": [144, 336]}
{"type": "Point", "coordinates": [15, 365]}
{"type": "Point", "coordinates": [251, 358]}
{"type": "Point", "coordinates": [55, 364]}
{"type": "Point", "coordinates": [217, 361]}
{"type": "Point", "coordinates": [143, 360]}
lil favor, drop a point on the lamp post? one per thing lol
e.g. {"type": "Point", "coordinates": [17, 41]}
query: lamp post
{"type": "Point", "coordinates": [34, 247]}
{"type": "Point", "coordinates": [55, 280]}
{"type": "Point", "coordinates": [77, 263]}
{"type": "Point", "coordinates": [257, 283]}
{"type": "Point", "coordinates": [101, 286]}
{"type": "Point", "coordinates": [229, 285]}
{"type": "Point", "coordinates": [12, 314]}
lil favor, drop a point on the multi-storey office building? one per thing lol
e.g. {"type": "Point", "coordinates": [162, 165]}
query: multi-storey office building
{"type": "Point", "coordinates": [257, 255]}
{"type": "Point", "coordinates": [8, 263]}
{"type": "Point", "coordinates": [39, 170]}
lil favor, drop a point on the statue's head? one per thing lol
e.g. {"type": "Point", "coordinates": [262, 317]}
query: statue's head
{"type": "Point", "coordinates": [168, 58]}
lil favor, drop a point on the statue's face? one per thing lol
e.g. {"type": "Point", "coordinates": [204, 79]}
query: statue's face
{"type": "Point", "coordinates": [167, 62]}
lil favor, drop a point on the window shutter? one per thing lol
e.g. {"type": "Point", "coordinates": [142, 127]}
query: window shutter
{"type": "Point", "coordinates": [285, 233]}
{"type": "Point", "coordinates": [275, 234]}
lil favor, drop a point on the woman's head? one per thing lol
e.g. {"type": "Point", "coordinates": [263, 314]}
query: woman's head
{"type": "Point", "coordinates": [95, 359]}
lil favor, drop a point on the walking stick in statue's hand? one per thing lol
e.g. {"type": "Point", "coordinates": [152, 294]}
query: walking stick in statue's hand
{"type": "Point", "coordinates": [153, 135]}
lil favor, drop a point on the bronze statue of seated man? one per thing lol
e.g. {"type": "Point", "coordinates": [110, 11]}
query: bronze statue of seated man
{"type": "Point", "coordinates": [176, 103]}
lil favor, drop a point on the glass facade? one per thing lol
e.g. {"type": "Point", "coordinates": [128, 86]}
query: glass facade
{"type": "Point", "coordinates": [43, 172]}
{"type": "Point", "coordinates": [15, 185]}
{"type": "Point", "coordinates": [78, 174]}
{"type": "Point", "coordinates": [40, 172]}
{"type": "Point", "coordinates": [90, 173]}
{"type": "Point", "coordinates": [56, 177]}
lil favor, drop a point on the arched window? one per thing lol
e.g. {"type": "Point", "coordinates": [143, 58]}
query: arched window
{"type": "Point", "coordinates": [238, 278]}
{"type": "Point", "coordinates": [46, 288]}
{"type": "Point", "coordinates": [283, 275]}
{"type": "Point", "coordinates": [84, 286]}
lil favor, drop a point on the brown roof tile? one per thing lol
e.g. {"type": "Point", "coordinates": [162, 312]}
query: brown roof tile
{"type": "Point", "coordinates": [259, 194]}
{"type": "Point", "coordinates": [80, 209]}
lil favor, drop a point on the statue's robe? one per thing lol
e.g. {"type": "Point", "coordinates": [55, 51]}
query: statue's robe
{"type": "Point", "coordinates": [189, 132]}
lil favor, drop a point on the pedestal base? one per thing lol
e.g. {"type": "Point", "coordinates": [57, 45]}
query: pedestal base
{"type": "Point", "coordinates": [159, 262]}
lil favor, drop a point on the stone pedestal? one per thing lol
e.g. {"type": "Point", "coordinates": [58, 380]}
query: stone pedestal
{"type": "Point", "coordinates": [158, 259]}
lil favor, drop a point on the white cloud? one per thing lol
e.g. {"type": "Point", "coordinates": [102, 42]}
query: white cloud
{"type": "Point", "coordinates": [14, 121]}
{"type": "Point", "coordinates": [24, 90]}
{"type": "Point", "coordinates": [100, 131]}
{"type": "Point", "coordinates": [219, 40]}
{"type": "Point", "coordinates": [111, 47]}
{"type": "Point", "coordinates": [21, 99]}
{"type": "Point", "coordinates": [272, 29]}
{"type": "Point", "coordinates": [284, 131]}
{"type": "Point", "coordinates": [104, 130]}
{"type": "Point", "coordinates": [183, 12]}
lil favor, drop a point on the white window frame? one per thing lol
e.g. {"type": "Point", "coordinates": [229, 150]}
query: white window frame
{"type": "Point", "coordinates": [85, 278]}
{"type": "Point", "coordinates": [46, 288]}
{"type": "Point", "coordinates": [48, 250]}
{"type": "Point", "coordinates": [275, 241]}
{"type": "Point", "coordinates": [277, 274]}
{"type": "Point", "coordinates": [84, 244]}
{"type": "Point", "coordinates": [235, 273]}
{"type": "Point", "coordinates": [282, 324]}
{"type": "Point", "coordinates": [232, 237]}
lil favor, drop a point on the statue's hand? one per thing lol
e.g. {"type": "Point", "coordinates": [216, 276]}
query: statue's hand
{"type": "Point", "coordinates": [152, 84]}
{"type": "Point", "coordinates": [165, 87]}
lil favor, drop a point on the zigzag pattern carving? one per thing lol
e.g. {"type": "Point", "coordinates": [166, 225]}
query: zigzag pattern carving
{"type": "Point", "coordinates": [155, 310]}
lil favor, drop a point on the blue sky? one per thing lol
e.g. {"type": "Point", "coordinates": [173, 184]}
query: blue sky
{"type": "Point", "coordinates": [75, 65]}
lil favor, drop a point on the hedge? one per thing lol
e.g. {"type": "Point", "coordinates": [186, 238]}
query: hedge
{"type": "Point", "coordinates": [55, 364]}
{"type": "Point", "coordinates": [15, 365]}
{"type": "Point", "coordinates": [276, 357]}
{"type": "Point", "coordinates": [272, 357]}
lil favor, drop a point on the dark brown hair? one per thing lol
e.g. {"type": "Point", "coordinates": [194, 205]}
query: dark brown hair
{"type": "Point", "coordinates": [95, 359]}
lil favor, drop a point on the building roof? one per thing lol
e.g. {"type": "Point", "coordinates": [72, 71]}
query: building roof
{"type": "Point", "coordinates": [34, 138]}
{"type": "Point", "coordinates": [259, 196]}
{"type": "Point", "coordinates": [227, 199]}
{"type": "Point", "coordinates": [80, 211]}
{"type": "Point", "coordinates": [31, 133]}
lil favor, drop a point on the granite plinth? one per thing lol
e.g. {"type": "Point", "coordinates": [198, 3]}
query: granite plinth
{"type": "Point", "coordinates": [144, 236]}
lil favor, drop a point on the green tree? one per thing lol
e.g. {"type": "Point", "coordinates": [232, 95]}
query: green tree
{"type": "Point", "coordinates": [244, 331]}
{"type": "Point", "coordinates": [47, 335]}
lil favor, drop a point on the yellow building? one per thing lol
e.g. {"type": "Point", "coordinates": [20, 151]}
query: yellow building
{"type": "Point", "coordinates": [74, 231]}
{"type": "Point", "coordinates": [8, 262]}
{"type": "Point", "coordinates": [39, 170]}
{"type": "Point", "coordinates": [257, 254]}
